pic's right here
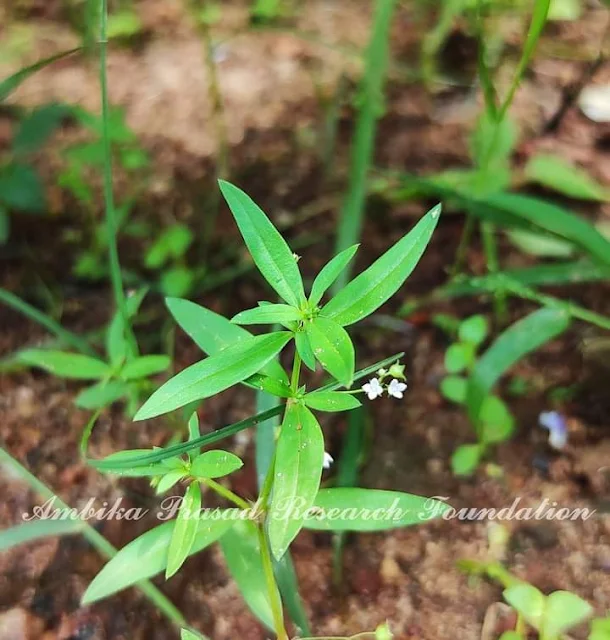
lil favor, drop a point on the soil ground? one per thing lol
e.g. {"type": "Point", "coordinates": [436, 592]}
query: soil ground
{"type": "Point", "coordinates": [274, 83]}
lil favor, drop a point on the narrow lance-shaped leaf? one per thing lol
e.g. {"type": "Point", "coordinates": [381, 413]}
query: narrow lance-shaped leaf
{"type": "Point", "coordinates": [269, 250]}
{"type": "Point", "coordinates": [268, 314]}
{"type": "Point", "coordinates": [519, 339]}
{"type": "Point", "coordinates": [298, 469]}
{"type": "Point", "coordinates": [214, 374]}
{"type": "Point", "coordinates": [241, 548]}
{"type": "Point", "coordinates": [145, 366]}
{"type": "Point", "coordinates": [330, 272]}
{"type": "Point", "coordinates": [64, 364]}
{"type": "Point", "coordinates": [331, 401]}
{"type": "Point", "coordinates": [185, 529]}
{"type": "Point", "coordinates": [215, 464]}
{"type": "Point", "coordinates": [352, 509]}
{"type": "Point", "coordinates": [101, 394]}
{"type": "Point", "coordinates": [212, 332]}
{"type": "Point", "coordinates": [304, 349]}
{"type": "Point", "coordinates": [370, 289]}
{"type": "Point", "coordinates": [37, 529]}
{"type": "Point", "coordinates": [520, 210]}
{"type": "Point", "coordinates": [332, 348]}
{"type": "Point", "coordinates": [146, 556]}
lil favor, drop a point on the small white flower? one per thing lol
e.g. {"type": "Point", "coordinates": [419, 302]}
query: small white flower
{"type": "Point", "coordinates": [328, 460]}
{"type": "Point", "coordinates": [555, 422]}
{"type": "Point", "coordinates": [396, 388]}
{"type": "Point", "coordinates": [373, 389]}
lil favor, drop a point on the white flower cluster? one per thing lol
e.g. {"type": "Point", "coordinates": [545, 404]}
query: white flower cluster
{"type": "Point", "coordinates": [374, 388]}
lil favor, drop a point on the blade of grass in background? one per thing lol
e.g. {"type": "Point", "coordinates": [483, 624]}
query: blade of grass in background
{"type": "Point", "coordinates": [111, 222]}
{"type": "Point", "coordinates": [347, 476]}
{"type": "Point", "coordinates": [371, 106]}
{"type": "Point", "coordinates": [8, 85]}
{"type": "Point", "coordinates": [63, 335]}
{"type": "Point", "coordinates": [95, 538]}
{"type": "Point", "coordinates": [371, 97]}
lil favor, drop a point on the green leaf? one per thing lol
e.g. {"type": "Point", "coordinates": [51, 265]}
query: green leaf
{"type": "Point", "coordinates": [304, 350]}
{"type": "Point", "coordinates": [64, 364]}
{"type": "Point", "coordinates": [270, 385]}
{"type": "Point", "coordinates": [145, 366]}
{"type": "Point", "coordinates": [215, 464]}
{"type": "Point", "coordinates": [459, 356]}
{"type": "Point", "coordinates": [329, 273]}
{"type": "Point", "coordinates": [558, 174]}
{"type": "Point", "coordinates": [454, 388]}
{"type": "Point", "coordinates": [37, 126]}
{"type": "Point", "coordinates": [331, 401]}
{"type": "Point", "coordinates": [241, 548]}
{"type": "Point", "coordinates": [528, 601]}
{"type": "Point", "coordinates": [167, 481]}
{"type": "Point", "coordinates": [539, 244]}
{"type": "Point", "coordinates": [600, 628]}
{"type": "Point", "coordinates": [496, 420]}
{"type": "Point", "coordinates": [370, 289]}
{"type": "Point", "coordinates": [172, 243]}
{"type": "Point", "coordinates": [519, 210]}
{"type": "Point", "coordinates": [185, 529]}
{"type": "Point", "coordinates": [269, 314]}
{"type": "Point", "coordinates": [185, 634]}
{"type": "Point", "coordinates": [101, 394]}
{"type": "Point", "coordinates": [466, 458]}
{"type": "Point", "coordinates": [212, 332]}
{"type": "Point", "coordinates": [269, 250]}
{"type": "Point", "coordinates": [352, 509]}
{"type": "Point", "coordinates": [214, 374]}
{"type": "Point", "coordinates": [524, 336]}
{"type": "Point", "coordinates": [146, 556]}
{"type": "Point", "coordinates": [492, 142]}
{"type": "Point", "coordinates": [332, 348]}
{"type": "Point", "coordinates": [474, 329]}
{"type": "Point", "coordinates": [176, 281]}
{"type": "Point", "coordinates": [511, 635]}
{"type": "Point", "coordinates": [36, 530]}
{"type": "Point", "coordinates": [563, 611]}
{"type": "Point", "coordinates": [8, 85]}
{"type": "Point", "coordinates": [21, 188]}
{"type": "Point", "coordinates": [298, 469]}
{"type": "Point", "coordinates": [117, 346]}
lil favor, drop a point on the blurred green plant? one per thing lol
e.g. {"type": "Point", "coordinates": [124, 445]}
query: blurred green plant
{"type": "Point", "coordinates": [472, 377]}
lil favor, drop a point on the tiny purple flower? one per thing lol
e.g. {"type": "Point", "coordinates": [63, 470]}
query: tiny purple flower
{"type": "Point", "coordinates": [555, 422]}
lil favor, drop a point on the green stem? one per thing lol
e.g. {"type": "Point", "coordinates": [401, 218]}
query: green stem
{"type": "Point", "coordinates": [95, 538]}
{"type": "Point", "coordinates": [16, 303]}
{"type": "Point", "coordinates": [493, 266]}
{"type": "Point", "coordinates": [111, 226]}
{"type": "Point", "coordinates": [465, 239]}
{"type": "Point", "coordinates": [226, 493]}
{"type": "Point", "coordinates": [372, 107]}
{"type": "Point", "coordinates": [274, 597]}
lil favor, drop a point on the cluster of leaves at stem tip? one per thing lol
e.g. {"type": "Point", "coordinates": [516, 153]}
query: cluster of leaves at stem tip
{"type": "Point", "coordinates": [250, 533]}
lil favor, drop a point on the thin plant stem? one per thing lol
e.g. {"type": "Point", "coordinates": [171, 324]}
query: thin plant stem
{"type": "Point", "coordinates": [111, 224]}
{"type": "Point", "coordinates": [274, 598]}
{"type": "Point", "coordinates": [220, 127]}
{"type": "Point", "coordinates": [65, 336]}
{"type": "Point", "coordinates": [465, 239]}
{"type": "Point", "coordinates": [490, 247]}
{"type": "Point", "coordinates": [95, 538]}
{"type": "Point", "coordinates": [226, 493]}
{"type": "Point", "coordinates": [372, 106]}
